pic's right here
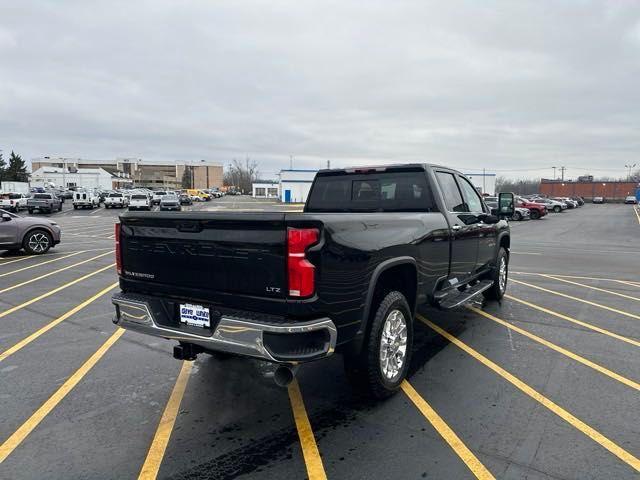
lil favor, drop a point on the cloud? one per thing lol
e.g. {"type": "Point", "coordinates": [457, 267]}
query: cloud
{"type": "Point", "coordinates": [500, 85]}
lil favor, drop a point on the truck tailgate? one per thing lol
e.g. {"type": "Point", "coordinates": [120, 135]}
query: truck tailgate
{"type": "Point", "coordinates": [206, 253]}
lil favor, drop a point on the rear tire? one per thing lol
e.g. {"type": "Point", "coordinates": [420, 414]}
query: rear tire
{"type": "Point", "coordinates": [379, 369]}
{"type": "Point", "coordinates": [31, 211]}
{"type": "Point", "coordinates": [37, 242]}
{"type": "Point", "coordinates": [535, 215]}
{"type": "Point", "coordinates": [557, 209]}
{"type": "Point", "coordinates": [517, 216]}
{"type": "Point", "coordinates": [499, 275]}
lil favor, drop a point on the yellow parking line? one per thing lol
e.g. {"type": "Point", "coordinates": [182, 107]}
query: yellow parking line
{"type": "Point", "coordinates": [160, 441]}
{"type": "Point", "coordinates": [589, 431]}
{"type": "Point", "coordinates": [559, 349]}
{"type": "Point", "coordinates": [26, 341]}
{"type": "Point", "coordinates": [17, 285]}
{"type": "Point", "coordinates": [41, 263]}
{"type": "Point", "coordinates": [605, 307]}
{"type": "Point", "coordinates": [312, 459]}
{"type": "Point", "coordinates": [579, 277]}
{"type": "Point", "coordinates": [27, 427]}
{"type": "Point", "coordinates": [11, 260]}
{"type": "Point", "coordinates": [458, 446]}
{"type": "Point", "coordinates": [55, 290]}
{"type": "Point", "coordinates": [629, 297]}
{"type": "Point", "coordinates": [576, 321]}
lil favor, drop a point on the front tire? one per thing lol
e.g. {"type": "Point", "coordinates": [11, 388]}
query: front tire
{"type": "Point", "coordinates": [382, 365]}
{"type": "Point", "coordinates": [517, 216]}
{"type": "Point", "coordinates": [535, 215]}
{"type": "Point", "coordinates": [499, 275]}
{"type": "Point", "coordinates": [37, 242]}
{"type": "Point", "coordinates": [557, 209]}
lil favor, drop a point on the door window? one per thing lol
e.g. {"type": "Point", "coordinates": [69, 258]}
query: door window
{"type": "Point", "coordinates": [451, 193]}
{"type": "Point", "coordinates": [474, 203]}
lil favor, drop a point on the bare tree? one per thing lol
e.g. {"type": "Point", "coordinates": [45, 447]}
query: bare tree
{"type": "Point", "coordinates": [522, 186]}
{"type": "Point", "coordinates": [241, 175]}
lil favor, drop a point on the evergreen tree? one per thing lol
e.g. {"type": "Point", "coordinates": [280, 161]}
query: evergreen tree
{"type": "Point", "coordinates": [3, 169]}
{"type": "Point", "coordinates": [17, 170]}
{"type": "Point", "coordinates": [186, 177]}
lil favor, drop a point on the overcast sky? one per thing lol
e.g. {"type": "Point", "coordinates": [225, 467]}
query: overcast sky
{"type": "Point", "coordinates": [513, 87]}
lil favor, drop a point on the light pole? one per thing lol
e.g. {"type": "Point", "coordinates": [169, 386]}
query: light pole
{"type": "Point", "coordinates": [629, 174]}
{"type": "Point", "coordinates": [554, 172]}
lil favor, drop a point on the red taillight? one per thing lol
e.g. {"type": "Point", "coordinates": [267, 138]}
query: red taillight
{"type": "Point", "coordinates": [118, 252]}
{"type": "Point", "coordinates": [302, 281]}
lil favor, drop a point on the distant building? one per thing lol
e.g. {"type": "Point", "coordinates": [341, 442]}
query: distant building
{"type": "Point", "coordinates": [145, 173]}
{"type": "Point", "coordinates": [295, 185]}
{"type": "Point", "coordinates": [265, 189]}
{"type": "Point", "coordinates": [484, 182]}
{"type": "Point", "coordinates": [611, 191]}
{"type": "Point", "coordinates": [79, 178]}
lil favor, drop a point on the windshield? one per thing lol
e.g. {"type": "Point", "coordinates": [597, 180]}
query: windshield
{"type": "Point", "coordinates": [138, 197]}
{"type": "Point", "coordinates": [169, 198]}
{"type": "Point", "coordinates": [42, 195]}
{"type": "Point", "coordinates": [115, 195]}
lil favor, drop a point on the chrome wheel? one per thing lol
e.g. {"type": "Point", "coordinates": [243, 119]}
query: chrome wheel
{"type": "Point", "coordinates": [502, 275]}
{"type": "Point", "coordinates": [38, 242]}
{"type": "Point", "coordinates": [393, 345]}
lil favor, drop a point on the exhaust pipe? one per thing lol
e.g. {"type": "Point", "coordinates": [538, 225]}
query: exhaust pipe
{"type": "Point", "coordinates": [284, 375]}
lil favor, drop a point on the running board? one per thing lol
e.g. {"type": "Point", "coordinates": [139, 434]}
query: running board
{"type": "Point", "coordinates": [456, 299]}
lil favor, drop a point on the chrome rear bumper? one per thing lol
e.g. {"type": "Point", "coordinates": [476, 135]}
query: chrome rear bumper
{"type": "Point", "coordinates": [234, 334]}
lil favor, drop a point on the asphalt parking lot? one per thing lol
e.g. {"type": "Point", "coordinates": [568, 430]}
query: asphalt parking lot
{"type": "Point", "coordinates": [544, 386]}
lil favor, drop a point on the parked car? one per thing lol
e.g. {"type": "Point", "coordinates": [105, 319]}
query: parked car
{"type": "Point", "coordinates": [140, 201]}
{"type": "Point", "coordinates": [552, 205]}
{"type": "Point", "coordinates": [630, 199]}
{"type": "Point", "coordinates": [580, 200]}
{"type": "Point", "coordinates": [44, 203]}
{"type": "Point", "coordinates": [13, 202]}
{"type": "Point", "coordinates": [598, 200]}
{"type": "Point", "coordinates": [519, 213]}
{"type": "Point", "coordinates": [157, 196]}
{"type": "Point", "coordinates": [35, 235]}
{"type": "Point", "coordinates": [571, 204]}
{"type": "Point", "coordinates": [170, 202]}
{"type": "Point", "coordinates": [185, 199]}
{"type": "Point", "coordinates": [264, 284]}
{"type": "Point", "coordinates": [536, 210]}
{"type": "Point", "coordinates": [85, 199]}
{"type": "Point", "coordinates": [116, 200]}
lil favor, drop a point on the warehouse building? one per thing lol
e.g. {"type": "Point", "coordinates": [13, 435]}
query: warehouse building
{"type": "Point", "coordinates": [265, 189]}
{"type": "Point", "coordinates": [295, 185]}
{"type": "Point", "coordinates": [611, 191]}
{"type": "Point", "coordinates": [145, 173]}
{"type": "Point", "coordinates": [79, 178]}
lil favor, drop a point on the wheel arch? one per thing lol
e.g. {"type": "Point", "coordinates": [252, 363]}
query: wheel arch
{"type": "Point", "coordinates": [401, 269]}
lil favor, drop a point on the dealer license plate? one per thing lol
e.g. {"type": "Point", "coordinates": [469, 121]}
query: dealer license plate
{"type": "Point", "coordinates": [195, 315]}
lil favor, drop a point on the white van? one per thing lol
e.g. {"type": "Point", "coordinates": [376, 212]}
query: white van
{"type": "Point", "coordinates": [85, 199]}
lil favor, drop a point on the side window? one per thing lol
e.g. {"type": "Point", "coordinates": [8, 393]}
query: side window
{"type": "Point", "coordinates": [452, 197]}
{"type": "Point", "coordinates": [470, 195]}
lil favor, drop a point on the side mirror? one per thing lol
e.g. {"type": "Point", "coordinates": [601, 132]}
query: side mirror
{"type": "Point", "coordinates": [506, 205]}
{"type": "Point", "coordinates": [491, 219]}
{"type": "Point", "coordinates": [6, 217]}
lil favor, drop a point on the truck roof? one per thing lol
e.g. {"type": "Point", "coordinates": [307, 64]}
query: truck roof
{"type": "Point", "coordinates": [374, 168]}
{"type": "Point", "coordinates": [396, 167]}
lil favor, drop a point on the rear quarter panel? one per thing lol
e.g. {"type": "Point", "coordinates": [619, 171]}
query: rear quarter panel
{"type": "Point", "coordinates": [353, 245]}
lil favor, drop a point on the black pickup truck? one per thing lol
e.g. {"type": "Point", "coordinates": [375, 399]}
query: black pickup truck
{"type": "Point", "coordinates": [346, 275]}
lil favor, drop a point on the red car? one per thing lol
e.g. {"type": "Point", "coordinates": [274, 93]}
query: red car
{"type": "Point", "coordinates": [538, 210]}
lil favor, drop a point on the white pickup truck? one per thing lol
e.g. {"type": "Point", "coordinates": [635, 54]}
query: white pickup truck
{"type": "Point", "coordinates": [116, 200]}
{"type": "Point", "coordinates": [13, 202]}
